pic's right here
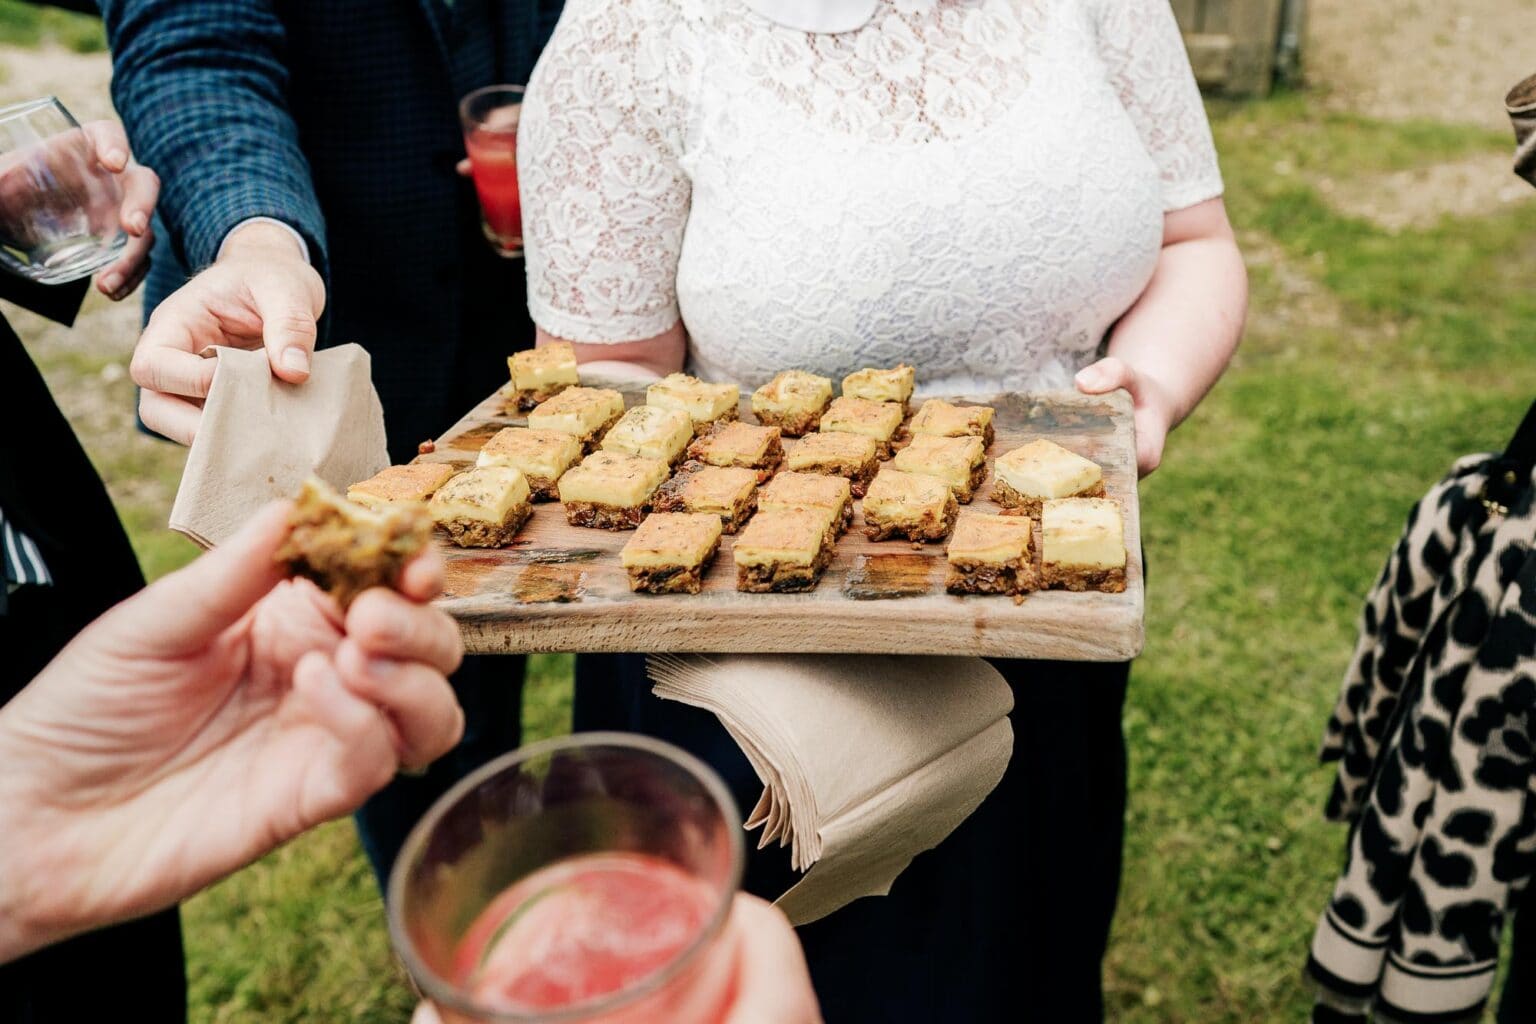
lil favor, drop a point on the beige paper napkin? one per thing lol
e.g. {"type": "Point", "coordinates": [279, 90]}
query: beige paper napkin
{"type": "Point", "coordinates": [866, 761]}
{"type": "Point", "coordinates": [260, 437]}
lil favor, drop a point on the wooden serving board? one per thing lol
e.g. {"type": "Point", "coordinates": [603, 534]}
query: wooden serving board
{"type": "Point", "coordinates": [561, 587]}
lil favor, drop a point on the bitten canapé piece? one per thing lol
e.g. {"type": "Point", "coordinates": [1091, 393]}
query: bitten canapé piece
{"type": "Point", "coordinates": [740, 444]}
{"type": "Point", "coordinates": [793, 401]}
{"type": "Point", "coordinates": [346, 548]}
{"type": "Point", "coordinates": [919, 508]}
{"type": "Point", "coordinates": [893, 385]}
{"type": "Point", "coordinates": [1043, 469]}
{"type": "Point", "coordinates": [782, 552]}
{"type": "Point", "coordinates": [941, 419]}
{"type": "Point", "coordinates": [651, 432]}
{"type": "Point", "coordinates": [670, 552]}
{"type": "Point", "coordinates": [854, 457]}
{"type": "Point", "coordinates": [483, 508]}
{"type": "Point", "coordinates": [401, 485]}
{"type": "Point", "coordinates": [828, 494]}
{"type": "Point", "coordinates": [992, 555]}
{"type": "Point", "coordinates": [540, 374]}
{"type": "Point", "coordinates": [878, 421]}
{"type": "Point", "coordinates": [960, 462]}
{"type": "Point", "coordinates": [723, 491]}
{"type": "Point", "coordinates": [611, 490]}
{"type": "Point", "coordinates": [584, 413]}
{"type": "Point", "coordinates": [704, 403]}
{"type": "Point", "coordinates": [542, 456]}
{"type": "Point", "coordinates": [1082, 545]}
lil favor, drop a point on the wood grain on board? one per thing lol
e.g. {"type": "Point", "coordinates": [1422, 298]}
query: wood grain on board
{"type": "Point", "coordinates": [561, 588]}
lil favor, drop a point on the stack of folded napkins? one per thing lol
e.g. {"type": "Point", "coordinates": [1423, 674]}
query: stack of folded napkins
{"type": "Point", "coordinates": [866, 761]}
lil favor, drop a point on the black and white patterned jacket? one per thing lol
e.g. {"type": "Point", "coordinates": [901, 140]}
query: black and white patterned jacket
{"type": "Point", "coordinates": [1435, 733]}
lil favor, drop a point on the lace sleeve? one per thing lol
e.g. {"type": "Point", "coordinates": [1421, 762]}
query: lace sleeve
{"type": "Point", "coordinates": [1140, 43]}
{"type": "Point", "coordinates": [604, 198]}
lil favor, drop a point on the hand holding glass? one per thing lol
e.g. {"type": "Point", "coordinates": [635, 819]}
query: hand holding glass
{"type": "Point", "coordinates": [490, 117]}
{"type": "Point", "coordinates": [60, 208]}
{"type": "Point", "coordinates": [585, 880]}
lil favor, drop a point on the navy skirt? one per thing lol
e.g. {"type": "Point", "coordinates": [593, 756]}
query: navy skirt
{"type": "Point", "coordinates": [1008, 918]}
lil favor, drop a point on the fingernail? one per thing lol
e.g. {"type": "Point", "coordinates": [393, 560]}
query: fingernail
{"type": "Point", "coordinates": [138, 222]}
{"type": "Point", "coordinates": [296, 359]}
{"type": "Point", "coordinates": [383, 668]}
{"type": "Point", "coordinates": [1090, 377]}
{"type": "Point", "coordinates": [116, 157]}
{"type": "Point", "coordinates": [111, 282]}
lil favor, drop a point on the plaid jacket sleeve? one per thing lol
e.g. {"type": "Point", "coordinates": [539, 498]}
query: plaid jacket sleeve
{"type": "Point", "coordinates": [201, 87]}
{"type": "Point", "coordinates": [549, 16]}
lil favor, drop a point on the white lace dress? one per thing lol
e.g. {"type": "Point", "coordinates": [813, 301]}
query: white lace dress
{"type": "Point", "coordinates": [974, 187]}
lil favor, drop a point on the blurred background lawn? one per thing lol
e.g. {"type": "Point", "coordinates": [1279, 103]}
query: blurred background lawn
{"type": "Point", "coordinates": [1393, 329]}
{"type": "Point", "coordinates": [25, 24]}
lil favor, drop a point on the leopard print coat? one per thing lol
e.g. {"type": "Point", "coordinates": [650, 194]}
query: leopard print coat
{"type": "Point", "coordinates": [1435, 733]}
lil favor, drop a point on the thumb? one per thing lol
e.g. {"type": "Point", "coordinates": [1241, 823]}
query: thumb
{"type": "Point", "coordinates": [109, 143]}
{"type": "Point", "coordinates": [773, 984]}
{"type": "Point", "coordinates": [1108, 374]}
{"type": "Point", "coordinates": [288, 329]}
{"type": "Point", "coordinates": [187, 608]}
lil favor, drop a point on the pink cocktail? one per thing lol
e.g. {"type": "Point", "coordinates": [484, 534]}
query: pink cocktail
{"type": "Point", "coordinates": [586, 880]}
{"type": "Point", "coordinates": [581, 930]}
{"type": "Point", "coordinates": [490, 117]}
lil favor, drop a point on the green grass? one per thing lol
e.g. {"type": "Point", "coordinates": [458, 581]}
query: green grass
{"type": "Point", "coordinates": [1300, 468]}
{"type": "Point", "coordinates": [1273, 511]}
{"type": "Point", "coordinates": [25, 24]}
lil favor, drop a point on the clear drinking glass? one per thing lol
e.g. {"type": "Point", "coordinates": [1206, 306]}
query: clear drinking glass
{"type": "Point", "coordinates": [490, 117]}
{"type": "Point", "coordinates": [582, 880]}
{"type": "Point", "coordinates": [59, 208]}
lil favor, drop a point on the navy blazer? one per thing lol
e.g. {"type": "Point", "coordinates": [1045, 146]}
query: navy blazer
{"type": "Point", "coordinates": [339, 117]}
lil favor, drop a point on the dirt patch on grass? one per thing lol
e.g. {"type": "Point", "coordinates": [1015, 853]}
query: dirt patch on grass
{"type": "Point", "coordinates": [1480, 186]}
{"type": "Point", "coordinates": [1440, 60]}
{"type": "Point", "coordinates": [1286, 301]}
{"type": "Point", "coordinates": [81, 81]}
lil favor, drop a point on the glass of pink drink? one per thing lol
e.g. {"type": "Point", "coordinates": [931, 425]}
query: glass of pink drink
{"type": "Point", "coordinates": [583, 880]}
{"type": "Point", "coordinates": [490, 117]}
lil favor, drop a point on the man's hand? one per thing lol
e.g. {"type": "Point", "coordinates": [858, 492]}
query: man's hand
{"type": "Point", "coordinates": [1153, 416]}
{"type": "Point", "coordinates": [82, 179]}
{"type": "Point", "coordinates": [204, 722]}
{"type": "Point", "coordinates": [261, 292]}
{"type": "Point", "coordinates": [141, 189]}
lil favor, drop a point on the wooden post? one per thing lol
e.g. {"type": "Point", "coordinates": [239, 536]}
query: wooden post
{"type": "Point", "coordinates": [1210, 52]}
{"type": "Point", "coordinates": [1293, 34]}
{"type": "Point", "coordinates": [1210, 55]}
{"type": "Point", "coordinates": [1188, 13]}
{"type": "Point", "coordinates": [1254, 28]}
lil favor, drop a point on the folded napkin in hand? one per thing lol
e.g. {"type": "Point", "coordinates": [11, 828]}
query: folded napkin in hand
{"type": "Point", "coordinates": [866, 761]}
{"type": "Point", "coordinates": [261, 437]}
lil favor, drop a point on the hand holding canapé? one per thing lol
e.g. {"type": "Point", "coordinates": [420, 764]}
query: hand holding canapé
{"type": "Point", "coordinates": [261, 292]}
{"type": "Point", "coordinates": [205, 721]}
